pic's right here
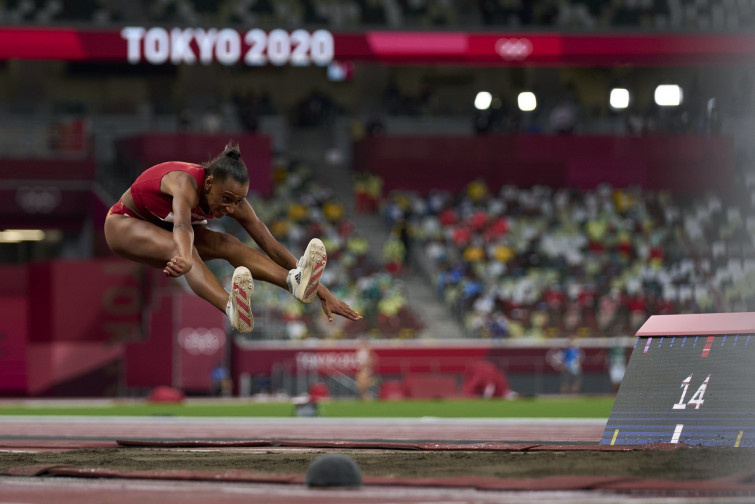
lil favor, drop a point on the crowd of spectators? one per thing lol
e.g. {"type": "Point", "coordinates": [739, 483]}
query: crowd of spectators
{"type": "Point", "coordinates": [300, 209]}
{"type": "Point", "coordinates": [545, 262]}
{"type": "Point", "coordinates": [562, 14]}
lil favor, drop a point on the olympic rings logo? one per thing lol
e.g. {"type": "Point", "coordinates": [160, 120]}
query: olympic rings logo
{"type": "Point", "coordinates": [514, 49]}
{"type": "Point", "coordinates": [201, 341]}
{"type": "Point", "coordinates": [38, 199]}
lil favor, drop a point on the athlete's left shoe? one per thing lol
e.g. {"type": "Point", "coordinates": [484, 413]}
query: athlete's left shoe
{"type": "Point", "coordinates": [239, 308]}
{"type": "Point", "coordinates": [305, 278]}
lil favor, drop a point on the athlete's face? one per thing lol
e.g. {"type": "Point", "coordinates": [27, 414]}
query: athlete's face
{"type": "Point", "coordinates": [224, 196]}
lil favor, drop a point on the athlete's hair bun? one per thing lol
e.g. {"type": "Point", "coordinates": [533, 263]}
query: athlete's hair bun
{"type": "Point", "coordinates": [232, 151]}
{"type": "Point", "coordinates": [228, 164]}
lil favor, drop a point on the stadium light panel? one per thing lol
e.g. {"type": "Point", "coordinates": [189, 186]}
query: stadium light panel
{"type": "Point", "coordinates": [619, 98]}
{"type": "Point", "coordinates": [527, 101]}
{"type": "Point", "coordinates": [21, 235]}
{"type": "Point", "coordinates": [483, 100]}
{"type": "Point", "coordinates": [668, 95]}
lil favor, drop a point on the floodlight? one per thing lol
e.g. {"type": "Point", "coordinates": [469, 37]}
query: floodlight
{"type": "Point", "coordinates": [527, 101]}
{"type": "Point", "coordinates": [483, 100]}
{"type": "Point", "coordinates": [668, 95]}
{"type": "Point", "coordinates": [619, 98]}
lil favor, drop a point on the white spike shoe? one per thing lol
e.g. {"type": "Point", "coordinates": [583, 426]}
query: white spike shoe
{"type": "Point", "coordinates": [239, 307]}
{"type": "Point", "coordinates": [305, 278]}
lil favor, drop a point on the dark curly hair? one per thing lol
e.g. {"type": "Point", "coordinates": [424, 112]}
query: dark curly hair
{"type": "Point", "coordinates": [228, 164]}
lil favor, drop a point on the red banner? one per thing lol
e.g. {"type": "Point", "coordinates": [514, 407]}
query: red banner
{"type": "Point", "coordinates": [160, 45]}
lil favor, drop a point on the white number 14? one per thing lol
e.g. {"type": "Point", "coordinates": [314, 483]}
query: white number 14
{"type": "Point", "coordinates": [697, 398]}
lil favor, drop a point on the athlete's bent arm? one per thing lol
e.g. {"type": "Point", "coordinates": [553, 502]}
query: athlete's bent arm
{"type": "Point", "coordinates": [182, 187]}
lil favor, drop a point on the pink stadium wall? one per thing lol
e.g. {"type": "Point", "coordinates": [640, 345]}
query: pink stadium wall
{"type": "Point", "coordinates": [688, 164]}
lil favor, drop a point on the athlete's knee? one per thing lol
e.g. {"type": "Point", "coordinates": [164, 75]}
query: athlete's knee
{"type": "Point", "coordinates": [222, 245]}
{"type": "Point", "coordinates": [115, 243]}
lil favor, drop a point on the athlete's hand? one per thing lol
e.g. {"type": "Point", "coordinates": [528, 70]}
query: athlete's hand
{"type": "Point", "coordinates": [332, 305]}
{"type": "Point", "coordinates": [177, 266]}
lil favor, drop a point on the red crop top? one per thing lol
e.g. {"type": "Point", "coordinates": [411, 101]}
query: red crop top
{"type": "Point", "coordinates": [150, 202]}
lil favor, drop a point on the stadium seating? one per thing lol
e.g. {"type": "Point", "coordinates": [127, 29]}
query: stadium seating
{"type": "Point", "coordinates": [300, 209]}
{"type": "Point", "coordinates": [542, 262]}
{"type": "Point", "coordinates": [341, 14]}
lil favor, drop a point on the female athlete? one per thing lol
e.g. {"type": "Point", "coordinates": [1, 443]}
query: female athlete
{"type": "Point", "coordinates": [161, 221]}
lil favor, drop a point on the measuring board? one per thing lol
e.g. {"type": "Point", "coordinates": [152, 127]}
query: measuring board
{"type": "Point", "coordinates": [690, 379]}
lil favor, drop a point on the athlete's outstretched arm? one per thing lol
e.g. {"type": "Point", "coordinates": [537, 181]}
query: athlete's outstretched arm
{"type": "Point", "coordinates": [332, 305]}
{"type": "Point", "coordinates": [247, 217]}
{"type": "Point", "coordinates": [259, 232]}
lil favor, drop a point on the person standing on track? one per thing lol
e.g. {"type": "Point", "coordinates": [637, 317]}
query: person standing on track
{"type": "Point", "coordinates": [367, 362]}
{"type": "Point", "coordinates": [161, 221]}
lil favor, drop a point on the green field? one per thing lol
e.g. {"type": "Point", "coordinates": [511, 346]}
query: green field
{"type": "Point", "coordinates": [556, 407]}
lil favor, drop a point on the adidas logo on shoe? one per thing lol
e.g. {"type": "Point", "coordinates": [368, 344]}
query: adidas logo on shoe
{"type": "Point", "coordinates": [305, 278]}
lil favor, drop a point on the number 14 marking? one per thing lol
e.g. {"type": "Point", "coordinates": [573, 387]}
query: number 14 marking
{"type": "Point", "coordinates": [697, 398]}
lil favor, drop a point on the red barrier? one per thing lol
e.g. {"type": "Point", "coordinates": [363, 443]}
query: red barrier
{"type": "Point", "coordinates": [410, 357]}
{"type": "Point", "coordinates": [80, 314]}
{"type": "Point", "coordinates": [429, 386]}
{"type": "Point", "coordinates": [200, 336]}
{"type": "Point", "coordinates": [14, 280]}
{"type": "Point", "coordinates": [13, 345]}
{"type": "Point", "coordinates": [184, 340]}
{"type": "Point", "coordinates": [73, 368]}
{"type": "Point", "coordinates": [79, 330]}
{"type": "Point", "coordinates": [149, 362]}
{"type": "Point", "coordinates": [685, 164]}
{"type": "Point", "coordinates": [87, 300]}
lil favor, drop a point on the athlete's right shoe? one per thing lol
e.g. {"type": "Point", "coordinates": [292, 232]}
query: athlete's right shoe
{"type": "Point", "coordinates": [305, 278]}
{"type": "Point", "coordinates": [239, 308]}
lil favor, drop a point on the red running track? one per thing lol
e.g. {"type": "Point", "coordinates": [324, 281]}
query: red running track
{"type": "Point", "coordinates": [434, 429]}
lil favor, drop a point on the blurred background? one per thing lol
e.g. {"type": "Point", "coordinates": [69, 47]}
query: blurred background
{"type": "Point", "coordinates": [503, 187]}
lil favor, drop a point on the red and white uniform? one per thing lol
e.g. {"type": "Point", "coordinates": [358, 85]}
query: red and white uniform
{"type": "Point", "coordinates": [153, 204]}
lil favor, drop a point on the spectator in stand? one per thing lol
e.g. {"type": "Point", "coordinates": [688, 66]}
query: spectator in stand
{"type": "Point", "coordinates": [621, 255]}
{"type": "Point", "coordinates": [393, 255]}
{"type": "Point", "coordinates": [212, 121]}
{"type": "Point", "coordinates": [563, 117]}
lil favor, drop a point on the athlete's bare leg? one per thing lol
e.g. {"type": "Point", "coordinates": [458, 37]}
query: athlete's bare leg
{"type": "Point", "coordinates": [148, 244]}
{"type": "Point", "coordinates": [216, 245]}
{"type": "Point", "coordinates": [145, 243]}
